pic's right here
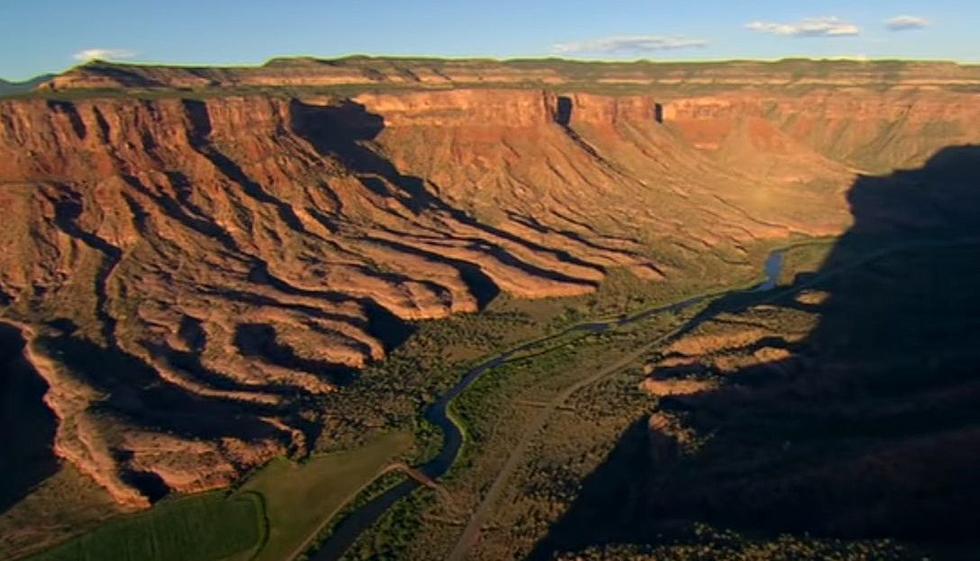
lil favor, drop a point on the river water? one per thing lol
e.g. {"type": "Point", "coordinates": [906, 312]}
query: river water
{"type": "Point", "coordinates": [351, 527]}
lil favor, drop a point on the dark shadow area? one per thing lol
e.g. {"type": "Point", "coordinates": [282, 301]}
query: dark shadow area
{"type": "Point", "coordinates": [199, 138]}
{"type": "Point", "coordinates": [563, 111]}
{"type": "Point", "coordinates": [385, 326]}
{"type": "Point", "coordinates": [344, 131]}
{"type": "Point", "coordinates": [27, 426]}
{"type": "Point", "coordinates": [658, 113]}
{"type": "Point", "coordinates": [870, 430]}
{"type": "Point", "coordinates": [259, 341]}
{"type": "Point", "coordinates": [134, 392]}
{"type": "Point", "coordinates": [65, 325]}
{"type": "Point", "coordinates": [382, 324]}
{"type": "Point", "coordinates": [190, 363]}
{"type": "Point", "coordinates": [67, 212]}
{"type": "Point", "coordinates": [68, 109]}
{"type": "Point", "coordinates": [480, 285]}
{"type": "Point", "coordinates": [183, 210]}
{"type": "Point", "coordinates": [608, 509]}
{"type": "Point", "coordinates": [123, 76]}
{"type": "Point", "coordinates": [149, 484]}
{"type": "Point", "coordinates": [563, 117]}
{"type": "Point", "coordinates": [102, 123]}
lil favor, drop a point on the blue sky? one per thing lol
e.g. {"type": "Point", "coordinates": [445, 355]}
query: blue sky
{"type": "Point", "coordinates": [39, 36]}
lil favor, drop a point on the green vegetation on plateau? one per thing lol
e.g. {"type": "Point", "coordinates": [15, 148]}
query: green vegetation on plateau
{"type": "Point", "coordinates": [203, 527]}
{"type": "Point", "coordinates": [375, 74]}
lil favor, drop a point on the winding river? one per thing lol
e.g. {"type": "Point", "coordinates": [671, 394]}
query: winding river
{"type": "Point", "coordinates": [351, 527]}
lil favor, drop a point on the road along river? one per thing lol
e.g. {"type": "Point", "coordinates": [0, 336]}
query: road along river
{"type": "Point", "coordinates": [351, 527]}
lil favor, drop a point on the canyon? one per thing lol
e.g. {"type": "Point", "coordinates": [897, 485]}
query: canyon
{"type": "Point", "coordinates": [195, 255]}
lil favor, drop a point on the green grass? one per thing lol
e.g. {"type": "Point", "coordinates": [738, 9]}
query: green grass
{"type": "Point", "coordinates": [370, 492]}
{"type": "Point", "coordinates": [300, 498]}
{"type": "Point", "coordinates": [271, 517]}
{"type": "Point", "coordinates": [203, 527]}
{"type": "Point", "coordinates": [62, 507]}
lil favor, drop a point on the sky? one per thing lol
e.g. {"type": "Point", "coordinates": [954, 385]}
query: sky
{"type": "Point", "coordinates": [39, 36]}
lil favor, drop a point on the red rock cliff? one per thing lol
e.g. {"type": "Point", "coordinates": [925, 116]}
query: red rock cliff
{"type": "Point", "coordinates": [233, 254]}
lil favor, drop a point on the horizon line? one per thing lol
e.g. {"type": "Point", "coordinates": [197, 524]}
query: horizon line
{"type": "Point", "coordinates": [555, 58]}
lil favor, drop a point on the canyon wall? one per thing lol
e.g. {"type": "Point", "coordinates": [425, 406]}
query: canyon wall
{"type": "Point", "coordinates": [189, 268]}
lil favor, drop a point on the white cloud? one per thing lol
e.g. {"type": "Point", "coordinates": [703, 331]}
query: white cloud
{"type": "Point", "coordinates": [628, 44]}
{"type": "Point", "coordinates": [103, 54]}
{"type": "Point", "coordinates": [810, 27]}
{"type": "Point", "coordinates": [902, 23]}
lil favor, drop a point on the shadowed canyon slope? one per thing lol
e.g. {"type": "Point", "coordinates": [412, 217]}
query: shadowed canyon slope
{"type": "Point", "coordinates": [846, 410]}
{"type": "Point", "coordinates": [189, 266]}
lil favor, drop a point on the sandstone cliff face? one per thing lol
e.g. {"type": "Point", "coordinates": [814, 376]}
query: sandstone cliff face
{"type": "Point", "coordinates": [867, 130]}
{"type": "Point", "coordinates": [189, 270]}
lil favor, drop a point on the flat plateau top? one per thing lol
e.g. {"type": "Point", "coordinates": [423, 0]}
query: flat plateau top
{"type": "Point", "coordinates": [359, 74]}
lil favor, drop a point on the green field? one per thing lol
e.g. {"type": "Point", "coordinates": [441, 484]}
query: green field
{"type": "Point", "coordinates": [272, 517]}
{"type": "Point", "coordinates": [300, 498]}
{"type": "Point", "coordinates": [198, 528]}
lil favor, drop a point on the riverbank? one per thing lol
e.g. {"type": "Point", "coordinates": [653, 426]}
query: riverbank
{"type": "Point", "coordinates": [441, 413]}
{"type": "Point", "coordinates": [803, 258]}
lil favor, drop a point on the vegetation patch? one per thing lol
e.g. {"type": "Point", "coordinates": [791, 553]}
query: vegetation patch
{"type": "Point", "coordinates": [202, 527]}
{"type": "Point", "coordinates": [300, 498]}
{"type": "Point", "coordinates": [272, 517]}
